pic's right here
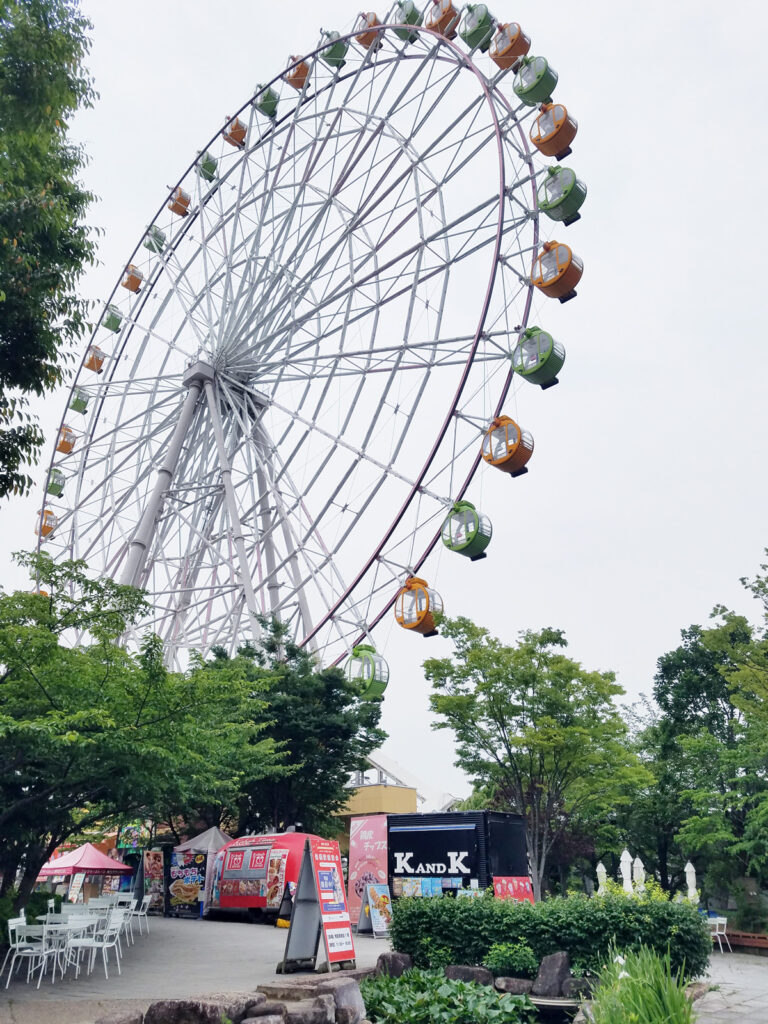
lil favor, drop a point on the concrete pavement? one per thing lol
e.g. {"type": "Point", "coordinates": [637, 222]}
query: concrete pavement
{"type": "Point", "coordinates": [742, 993]}
{"type": "Point", "coordinates": [178, 959]}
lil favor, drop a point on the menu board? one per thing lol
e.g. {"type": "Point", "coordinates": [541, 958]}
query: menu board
{"type": "Point", "coordinates": [187, 882]}
{"type": "Point", "coordinates": [326, 867]}
{"type": "Point", "coordinates": [517, 888]}
{"type": "Point", "coordinates": [367, 857]}
{"type": "Point", "coordinates": [75, 886]}
{"type": "Point", "coordinates": [379, 904]}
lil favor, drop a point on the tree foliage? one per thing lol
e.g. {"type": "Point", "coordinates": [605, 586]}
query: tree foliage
{"type": "Point", "coordinates": [44, 242]}
{"type": "Point", "coordinates": [91, 733]}
{"type": "Point", "coordinates": [536, 729]}
{"type": "Point", "coordinates": [320, 725]}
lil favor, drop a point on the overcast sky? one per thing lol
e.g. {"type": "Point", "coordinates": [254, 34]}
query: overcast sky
{"type": "Point", "coordinates": [646, 497]}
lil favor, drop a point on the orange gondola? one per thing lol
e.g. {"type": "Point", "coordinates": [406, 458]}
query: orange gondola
{"type": "Point", "coordinates": [133, 278]}
{"type": "Point", "coordinates": [554, 130]}
{"type": "Point", "coordinates": [509, 45]}
{"type": "Point", "coordinates": [557, 271]}
{"type": "Point", "coordinates": [95, 359]}
{"type": "Point", "coordinates": [417, 607]}
{"type": "Point", "coordinates": [46, 523]}
{"type": "Point", "coordinates": [363, 30]}
{"type": "Point", "coordinates": [235, 132]}
{"type": "Point", "coordinates": [443, 18]}
{"type": "Point", "coordinates": [179, 202]}
{"type": "Point", "coordinates": [507, 447]}
{"type": "Point", "coordinates": [67, 438]}
{"type": "Point", "coordinates": [297, 77]}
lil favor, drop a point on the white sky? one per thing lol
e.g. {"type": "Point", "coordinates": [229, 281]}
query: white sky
{"type": "Point", "coordinates": [646, 497]}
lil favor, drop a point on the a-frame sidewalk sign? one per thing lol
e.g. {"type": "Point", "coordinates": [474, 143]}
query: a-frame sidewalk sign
{"type": "Point", "coordinates": [375, 911]}
{"type": "Point", "coordinates": [319, 910]}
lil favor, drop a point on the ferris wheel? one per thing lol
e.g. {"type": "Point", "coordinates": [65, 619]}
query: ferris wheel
{"type": "Point", "coordinates": [307, 356]}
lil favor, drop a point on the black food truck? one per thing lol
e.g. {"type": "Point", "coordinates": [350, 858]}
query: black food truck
{"type": "Point", "coordinates": [432, 854]}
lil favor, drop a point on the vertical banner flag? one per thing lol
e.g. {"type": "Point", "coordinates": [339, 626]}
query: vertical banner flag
{"type": "Point", "coordinates": [367, 857]}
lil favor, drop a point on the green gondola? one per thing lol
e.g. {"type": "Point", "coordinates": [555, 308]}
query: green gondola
{"type": "Point", "coordinates": [56, 482]}
{"type": "Point", "coordinates": [266, 101]}
{"type": "Point", "coordinates": [534, 81]}
{"type": "Point", "coordinates": [407, 13]}
{"type": "Point", "coordinates": [206, 166]}
{"type": "Point", "coordinates": [112, 318]}
{"type": "Point", "coordinates": [467, 531]}
{"type": "Point", "coordinates": [562, 194]}
{"type": "Point", "coordinates": [368, 671]}
{"type": "Point", "coordinates": [155, 239]}
{"type": "Point", "coordinates": [477, 29]}
{"type": "Point", "coordinates": [538, 358]}
{"type": "Point", "coordinates": [79, 401]}
{"type": "Point", "coordinates": [334, 54]}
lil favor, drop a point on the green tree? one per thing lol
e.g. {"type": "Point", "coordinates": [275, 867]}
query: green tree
{"type": "Point", "coordinates": [318, 721]}
{"type": "Point", "coordinates": [534, 727]}
{"type": "Point", "coordinates": [44, 243]}
{"type": "Point", "coordinates": [90, 733]}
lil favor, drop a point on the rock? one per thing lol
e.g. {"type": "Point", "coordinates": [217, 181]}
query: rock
{"type": "Point", "coordinates": [321, 1010]}
{"type": "Point", "coordinates": [393, 964]}
{"type": "Point", "coordinates": [553, 970]}
{"type": "Point", "coordinates": [208, 1010]}
{"type": "Point", "coordinates": [459, 972]}
{"type": "Point", "coordinates": [696, 989]}
{"type": "Point", "coordinates": [350, 1008]}
{"type": "Point", "coordinates": [573, 988]}
{"type": "Point", "coordinates": [269, 1018]}
{"type": "Point", "coordinates": [280, 990]}
{"type": "Point", "coordinates": [269, 1008]}
{"type": "Point", "coordinates": [514, 986]}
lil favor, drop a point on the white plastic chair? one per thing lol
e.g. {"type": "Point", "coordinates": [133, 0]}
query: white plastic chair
{"type": "Point", "coordinates": [141, 913]}
{"type": "Point", "coordinates": [108, 939]}
{"type": "Point", "coordinates": [19, 946]}
{"type": "Point", "coordinates": [718, 932]}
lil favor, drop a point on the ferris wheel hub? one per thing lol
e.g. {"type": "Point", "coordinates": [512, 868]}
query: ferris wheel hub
{"type": "Point", "coordinates": [198, 372]}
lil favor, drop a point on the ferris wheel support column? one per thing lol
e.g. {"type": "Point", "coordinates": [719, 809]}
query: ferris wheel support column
{"type": "Point", "coordinates": [142, 538]}
{"type": "Point", "coordinates": [231, 501]}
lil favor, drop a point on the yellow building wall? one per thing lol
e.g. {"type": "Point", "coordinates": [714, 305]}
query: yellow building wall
{"type": "Point", "coordinates": [381, 800]}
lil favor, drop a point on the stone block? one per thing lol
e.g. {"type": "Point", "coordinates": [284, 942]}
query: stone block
{"type": "Point", "coordinates": [393, 964]}
{"type": "Point", "coordinates": [460, 972]}
{"type": "Point", "coordinates": [514, 986]}
{"type": "Point", "coordinates": [321, 1010]}
{"type": "Point", "coordinates": [553, 970]}
{"type": "Point", "coordinates": [575, 988]}
{"type": "Point", "coordinates": [269, 1008]}
{"type": "Point", "coordinates": [281, 990]}
{"type": "Point", "coordinates": [269, 1018]}
{"type": "Point", "coordinates": [350, 1008]}
{"type": "Point", "coordinates": [208, 1010]}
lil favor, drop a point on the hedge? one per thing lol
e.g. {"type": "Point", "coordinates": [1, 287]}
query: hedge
{"type": "Point", "coordinates": [464, 929]}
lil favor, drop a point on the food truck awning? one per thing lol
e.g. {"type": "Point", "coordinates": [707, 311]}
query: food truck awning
{"type": "Point", "coordinates": [87, 860]}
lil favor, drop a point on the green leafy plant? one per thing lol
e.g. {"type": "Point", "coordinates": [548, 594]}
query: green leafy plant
{"type": "Point", "coordinates": [432, 955]}
{"type": "Point", "coordinates": [511, 959]}
{"type": "Point", "coordinates": [426, 997]}
{"type": "Point", "coordinates": [641, 988]}
{"type": "Point", "coordinates": [585, 928]}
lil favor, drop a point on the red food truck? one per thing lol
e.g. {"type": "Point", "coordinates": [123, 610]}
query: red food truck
{"type": "Point", "coordinates": [251, 873]}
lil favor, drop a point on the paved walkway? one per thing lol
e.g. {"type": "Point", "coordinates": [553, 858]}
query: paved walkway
{"type": "Point", "coordinates": [742, 994]}
{"type": "Point", "coordinates": [178, 959]}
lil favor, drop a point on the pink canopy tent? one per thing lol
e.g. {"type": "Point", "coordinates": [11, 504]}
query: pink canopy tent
{"type": "Point", "coordinates": [86, 860]}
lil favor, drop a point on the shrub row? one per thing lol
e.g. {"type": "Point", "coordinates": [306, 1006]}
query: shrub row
{"type": "Point", "coordinates": [465, 930]}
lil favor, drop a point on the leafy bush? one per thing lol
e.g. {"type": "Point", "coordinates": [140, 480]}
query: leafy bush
{"type": "Point", "coordinates": [426, 997]}
{"type": "Point", "coordinates": [511, 959]}
{"type": "Point", "coordinates": [431, 955]}
{"type": "Point", "coordinates": [751, 914]}
{"type": "Point", "coordinates": [583, 927]}
{"type": "Point", "coordinates": [641, 988]}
